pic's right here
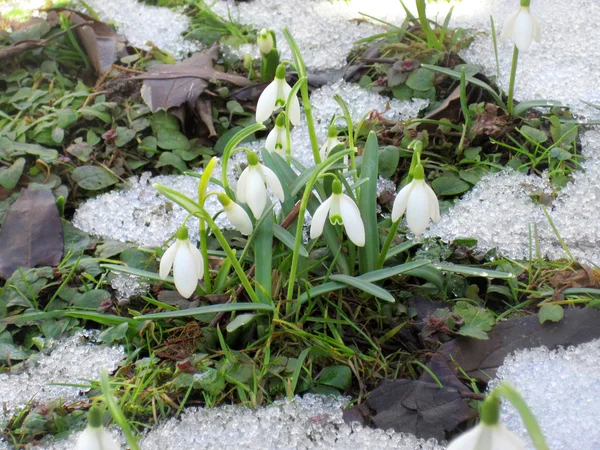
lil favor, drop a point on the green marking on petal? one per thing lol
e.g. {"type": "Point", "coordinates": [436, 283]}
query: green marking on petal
{"type": "Point", "coordinates": [336, 219]}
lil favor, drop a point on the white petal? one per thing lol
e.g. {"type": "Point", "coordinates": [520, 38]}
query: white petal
{"type": "Point", "coordinates": [401, 201]}
{"type": "Point", "coordinates": [537, 30]}
{"type": "Point", "coordinates": [271, 142]}
{"type": "Point", "coordinates": [256, 192]}
{"type": "Point", "coordinates": [434, 204]}
{"type": "Point", "coordinates": [503, 439]}
{"type": "Point", "coordinates": [185, 271]}
{"type": "Point", "coordinates": [266, 102]}
{"type": "Point", "coordinates": [273, 182]}
{"type": "Point", "coordinates": [239, 218]}
{"type": "Point", "coordinates": [166, 262]}
{"type": "Point", "coordinates": [242, 188]}
{"type": "Point", "coordinates": [96, 439]}
{"type": "Point", "coordinates": [295, 111]}
{"type": "Point", "coordinates": [198, 259]}
{"type": "Point", "coordinates": [417, 208]}
{"type": "Point", "coordinates": [468, 440]}
{"type": "Point", "coordinates": [107, 441]}
{"type": "Point", "coordinates": [353, 224]}
{"type": "Point", "coordinates": [509, 26]}
{"type": "Point", "coordinates": [318, 219]}
{"type": "Point", "coordinates": [523, 31]}
{"type": "Point", "coordinates": [324, 151]}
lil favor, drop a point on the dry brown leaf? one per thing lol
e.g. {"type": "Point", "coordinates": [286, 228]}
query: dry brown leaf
{"type": "Point", "coordinates": [169, 85]}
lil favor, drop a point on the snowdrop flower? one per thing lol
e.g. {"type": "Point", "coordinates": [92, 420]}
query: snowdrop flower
{"type": "Point", "coordinates": [487, 437]}
{"type": "Point", "coordinates": [522, 27]}
{"type": "Point", "coordinates": [276, 140]}
{"type": "Point", "coordinates": [251, 187]}
{"type": "Point", "coordinates": [186, 261]}
{"type": "Point", "coordinates": [342, 211]}
{"type": "Point", "coordinates": [330, 143]}
{"type": "Point", "coordinates": [95, 437]}
{"type": "Point", "coordinates": [275, 97]}
{"type": "Point", "coordinates": [489, 434]}
{"type": "Point", "coordinates": [265, 41]}
{"type": "Point", "coordinates": [419, 202]}
{"type": "Point", "coordinates": [236, 214]}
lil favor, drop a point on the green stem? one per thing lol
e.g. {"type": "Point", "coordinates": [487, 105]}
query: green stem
{"type": "Point", "coordinates": [350, 126]}
{"type": "Point", "coordinates": [202, 185]}
{"type": "Point", "coordinates": [513, 76]}
{"type": "Point", "coordinates": [263, 258]}
{"type": "Point", "coordinates": [388, 243]}
{"type": "Point", "coordinates": [535, 432]}
{"type": "Point", "coordinates": [233, 142]}
{"type": "Point", "coordinates": [115, 411]}
{"type": "Point", "coordinates": [301, 69]}
{"type": "Point", "coordinates": [300, 221]}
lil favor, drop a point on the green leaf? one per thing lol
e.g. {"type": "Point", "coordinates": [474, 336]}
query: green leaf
{"type": "Point", "coordinates": [96, 111]}
{"type": "Point", "coordinates": [92, 299]}
{"type": "Point", "coordinates": [339, 377]}
{"type": "Point", "coordinates": [239, 321]}
{"type": "Point", "coordinates": [364, 286]}
{"type": "Point", "coordinates": [92, 138]}
{"type": "Point", "coordinates": [123, 136]}
{"type": "Point", "coordinates": [223, 307]}
{"type": "Point", "coordinates": [110, 249]}
{"type": "Point", "coordinates": [553, 313]}
{"type": "Point", "coordinates": [93, 178]}
{"type": "Point", "coordinates": [523, 107]}
{"type": "Point", "coordinates": [472, 175]}
{"type": "Point", "coordinates": [171, 159]}
{"type": "Point", "coordinates": [82, 151]}
{"type": "Point", "coordinates": [474, 271]}
{"type": "Point", "coordinates": [172, 140]}
{"type": "Point", "coordinates": [66, 117]}
{"type": "Point", "coordinates": [534, 134]}
{"type": "Point", "coordinates": [287, 239]}
{"type": "Point", "coordinates": [9, 177]}
{"type": "Point", "coordinates": [138, 259]}
{"type": "Point", "coordinates": [421, 79]}
{"type": "Point", "coordinates": [12, 352]}
{"type": "Point", "coordinates": [375, 275]}
{"type": "Point", "coordinates": [477, 320]}
{"type": "Point", "coordinates": [449, 185]}
{"type": "Point", "coordinates": [369, 171]}
{"type": "Point", "coordinates": [114, 334]}
{"type": "Point", "coordinates": [388, 161]}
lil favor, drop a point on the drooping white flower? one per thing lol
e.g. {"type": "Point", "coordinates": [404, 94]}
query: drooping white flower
{"type": "Point", "coordinates": [95, 437]}
{"type": "Point", "coordinates": [251, 187]}
{"type": "Point", "coordinates": [487, 437]}
{"type": "Point", "coordinates": [522, 27]}
{"type": "Point", "coordinates": [275, 97]}
{"type": "Point", "coordinates": [236, 214]}
{"type": "Point", "coordinates": [419, 201]}
{"type": "Point", "coordinates": [277, 139]}
{"type": "Point", "coordinates": [186, 261]}
{"type": "Point", "coordinates": [331, 142]}
{"type": "Point", "coordinates": [342, 211]}
{"type": "Point", "coordinates": [265, 41]}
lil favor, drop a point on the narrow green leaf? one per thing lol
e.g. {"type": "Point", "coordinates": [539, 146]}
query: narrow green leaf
{"type": "Point", "coordinates": [104, 319]}
{"type": "Point", "coordinates": [137, 272]}
{"type": "Point", "coordinates": [525, 106]}
{"type": "Point", "coordinates": [364, 286]}
{"type": "Point", "coordinates": [368, 204]}
{"type": "Point", "coordinates": [474, 271]}
{"type": "Point", "coordinates": [223, 307]}
{"type": "Point", "coordinates": [286, 238]}
{"type": "Point", "coordinates": [376, 275]}
{"type": "Point", "coordinates": [182, 200]}
{"type": "Point", "coordinates": [456, 75]}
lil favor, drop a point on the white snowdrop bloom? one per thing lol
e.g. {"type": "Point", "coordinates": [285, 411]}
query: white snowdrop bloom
{"type": "Point", "coordinates": [95, 437]}
{"type": "Point", "coordinates": [331, 142]}
{"type": "Point", "coordinates": [342, 211]}
{"type": "Point", "coordinates": [236, 214]}
{"type": "Point", "coordinates": [275, 97]}
{"type": "Point", "coordinates": [522, 27]}
{"type": "Point", "coordinates": [186, 261]}
{"type": "Point", "coordinates": [251, 187]}
{"type": "Point", "coordinates": [419, 202]}
{"type": "Point", "coordinates": [265, 41]}
{"type": "Point", "coordinates": [487, 437]}
{"type": "Point", "coordinates": [277, 139]}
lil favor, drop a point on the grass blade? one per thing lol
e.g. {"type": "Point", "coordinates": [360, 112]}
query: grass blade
{"type": "Point", "coordinates": [364, 286]}
{"type": "Point", "coordinates": [209, 309]}
{"type": "Point", "coordinates": [368, 205]}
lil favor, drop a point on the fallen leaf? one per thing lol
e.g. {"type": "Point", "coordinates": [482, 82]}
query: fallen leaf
{"type": "Point", "coordinates": [480, 359]}
{"type": "Point", "coordinates": [416, 407]}
{"type": "Point", "coordinates": [169, 85]}
{"type": "Point", "coordinates": [491, 122]}
{"type": "Point", "coordinates": [31, 233]}
{"type": "Point", "coordinates": [102, 44]}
